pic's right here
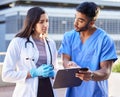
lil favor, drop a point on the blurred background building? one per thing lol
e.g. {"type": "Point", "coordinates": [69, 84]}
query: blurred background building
{"type": "Point", "coordinates": [61, 18]}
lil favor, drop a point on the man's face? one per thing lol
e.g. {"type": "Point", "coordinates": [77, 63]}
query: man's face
{"type": "Point", "coordinates": [81, 22]}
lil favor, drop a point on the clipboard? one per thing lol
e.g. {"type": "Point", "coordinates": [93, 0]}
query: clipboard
{"type": "Point", "coordinates": [66, 78]}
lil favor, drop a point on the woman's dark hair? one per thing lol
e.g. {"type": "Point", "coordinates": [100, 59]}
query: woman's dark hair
{"type": "Point", "coordinates": [90, 9]}
{"type": "Point", "coordinates": [33, 16]}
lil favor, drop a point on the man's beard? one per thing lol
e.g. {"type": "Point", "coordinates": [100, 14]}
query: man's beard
{"type": "Point", "coordinates": [83, 28]}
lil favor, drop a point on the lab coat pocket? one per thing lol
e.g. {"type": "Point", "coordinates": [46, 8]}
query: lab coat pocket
{"type": "Point", "coordinates": [27, 58]}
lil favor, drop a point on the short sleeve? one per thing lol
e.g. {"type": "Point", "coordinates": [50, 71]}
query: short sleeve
{"type": "Point", "coordinates": [108, 50]}
{"type": "Point", "coordinates": [65, 45]}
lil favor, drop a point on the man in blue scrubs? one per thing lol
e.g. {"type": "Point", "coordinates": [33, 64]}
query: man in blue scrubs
{"type": "Point", "coordinates": [91, 47]}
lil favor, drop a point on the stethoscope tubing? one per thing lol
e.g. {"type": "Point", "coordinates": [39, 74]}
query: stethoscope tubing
{"type": "Point", "coordinates": [28, 41]}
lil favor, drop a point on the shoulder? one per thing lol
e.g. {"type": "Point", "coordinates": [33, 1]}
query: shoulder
{"type": "Point", "coordinates": [17, 41]}
{"type": "Point", "coordinates": [104, 37]}
{"type": "Point", "coordinates": [103, 34]}
{"type": "Point", "coordinates": [70, 36]}
{"type": "Point", "coordinates": [70, 33]}
{"type": "Point", "coordinates": [51, 41]}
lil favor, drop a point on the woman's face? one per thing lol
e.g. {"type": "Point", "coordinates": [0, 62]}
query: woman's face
{"type": "Point", "coordinates": [41, 28]}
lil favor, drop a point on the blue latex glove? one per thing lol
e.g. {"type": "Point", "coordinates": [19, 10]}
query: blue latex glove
{"type": "Point", "coordinates": [44, 71]}
{"type": "Point", "coordinates": [51, 73]}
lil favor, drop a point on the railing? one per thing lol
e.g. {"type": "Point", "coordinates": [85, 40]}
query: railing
{"type": "Point", "coordinates": [3, 84]}
{"type": "Point", "coordinates": [4, 53]}
{"type": "Point", "coordinates": [118, 52]}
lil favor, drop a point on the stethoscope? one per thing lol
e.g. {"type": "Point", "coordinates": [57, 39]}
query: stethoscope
{"type": "Point", "coordinates": [28, 41]}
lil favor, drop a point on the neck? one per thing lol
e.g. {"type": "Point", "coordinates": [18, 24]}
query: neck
{"type": "Point", "coordinates": [38, 36]}
{"type": "Point", "coordinates": [86, 34]}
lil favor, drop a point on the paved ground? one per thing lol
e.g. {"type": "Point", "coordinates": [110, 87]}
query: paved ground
{"type": "Point", "coordinates": [114, 85]}
{"type": "Point", "coordinates": [7, 91]}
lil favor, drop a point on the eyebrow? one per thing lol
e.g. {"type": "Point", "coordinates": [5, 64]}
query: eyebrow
{"type": "Point", "coordinates": [81, 19]}
{"type": "Point", "coordinates": [43, 19]}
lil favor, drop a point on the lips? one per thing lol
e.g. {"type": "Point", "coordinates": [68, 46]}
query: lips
{"type": "Point", "coordinates": [76, 27]}
{"type": "Point", "coordinates": [44, 29]}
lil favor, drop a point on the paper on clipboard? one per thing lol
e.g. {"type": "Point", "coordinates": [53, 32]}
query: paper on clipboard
{"type": "Point", "coordinates": [66, 78]}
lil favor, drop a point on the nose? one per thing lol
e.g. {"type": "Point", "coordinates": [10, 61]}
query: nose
{"type": "Point", "coordinates": [45, 24]}
{"type": "Point", "coordinates": [75, 22]}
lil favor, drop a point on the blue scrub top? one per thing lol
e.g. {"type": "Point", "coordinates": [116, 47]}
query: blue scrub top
{"type": "Point", "coordinates": [97, 48]}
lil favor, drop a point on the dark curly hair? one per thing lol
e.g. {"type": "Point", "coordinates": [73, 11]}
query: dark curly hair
{"type": "Point", "coordinates": [90, 9]}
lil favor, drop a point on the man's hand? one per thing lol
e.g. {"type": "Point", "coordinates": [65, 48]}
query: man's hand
{"type": "Point", "coordinates": [71, 64]}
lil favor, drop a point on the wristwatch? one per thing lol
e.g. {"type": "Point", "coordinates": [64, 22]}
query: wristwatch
{"type": "Point", "coordinates": [92, 75]}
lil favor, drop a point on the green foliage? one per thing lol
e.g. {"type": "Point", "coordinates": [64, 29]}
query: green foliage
{"type": "Point", "coordinates": [116, 66]}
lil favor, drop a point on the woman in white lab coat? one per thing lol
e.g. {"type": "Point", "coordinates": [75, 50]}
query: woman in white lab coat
{"type": "Point", "coordinates": [31, 58]}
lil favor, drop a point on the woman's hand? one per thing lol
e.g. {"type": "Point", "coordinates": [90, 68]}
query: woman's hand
{"type": "Point", "coordinates": [44, 70]}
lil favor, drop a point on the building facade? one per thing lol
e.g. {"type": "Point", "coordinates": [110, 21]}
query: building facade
{"type": "Point", "coordinates": [61, 18]}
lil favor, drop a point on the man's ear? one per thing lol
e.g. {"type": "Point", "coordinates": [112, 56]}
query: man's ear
{"type": "Point", "coordinates": [92, 23]}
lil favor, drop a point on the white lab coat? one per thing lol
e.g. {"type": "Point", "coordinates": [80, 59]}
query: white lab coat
{"type": "Point", "coordinates": [16, 66]}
